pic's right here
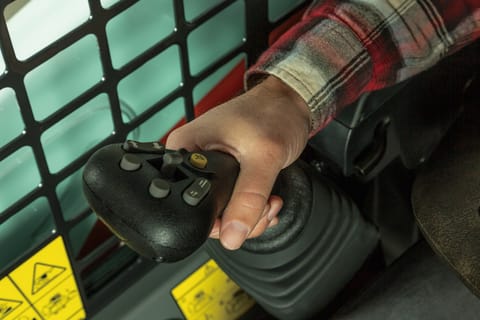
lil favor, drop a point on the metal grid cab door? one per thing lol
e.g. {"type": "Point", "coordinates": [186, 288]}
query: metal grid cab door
{"type": "Point", "coordinates": [80, 74]}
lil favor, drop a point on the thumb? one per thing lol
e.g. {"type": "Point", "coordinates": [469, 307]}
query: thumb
{"type": "Point", "coordinates": [181, 138]}
{"type": "Point", "coordinates": [247, 204]}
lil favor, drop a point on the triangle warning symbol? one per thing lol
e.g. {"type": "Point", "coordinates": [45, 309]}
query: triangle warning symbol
{"type": "Point", "coordinates": [43, 274]}
{"type": "Point", "coordinates": [7, 307]}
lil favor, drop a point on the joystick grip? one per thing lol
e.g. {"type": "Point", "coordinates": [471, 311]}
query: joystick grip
{"type": "Point", "coordinates": [161, 203]}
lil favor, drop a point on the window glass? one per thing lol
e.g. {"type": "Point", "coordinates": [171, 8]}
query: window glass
{"type": "Point", "coordinates": [63, 77]}
{"type": "Point", "coordinates": [2, 64]}
{"type": "Point", "coordinates": [80, 233]}
{"type": "Point", "coordinates": [33, 25]}
{"type": "Point", "coordinates": [151, 82]}
{"type": "Point", "coordinates": [77, 133]}
{"type": "Point", "coordinates": [160, 123]}
{"type": "Point", "coordinates": [19, 175]}
{"type": "Point", "coordinates": [108, 3]}
{"type": "Point", "coordinates": [278, 9]}
{"type": "Point", "coordinates": [195, 8]}
{"type": "Point", "coordinates": [70, 195]}
{"type": "Point", "coordinates": [211, 81]}
{"type": "Point", "coordinates": [10, 118]}
{"type": "Point", "coordinates": [216, 37]}
{"type": "Point", "coordinates": [25, 230]}
{"type": "Point", "coordinates": [138, 28]}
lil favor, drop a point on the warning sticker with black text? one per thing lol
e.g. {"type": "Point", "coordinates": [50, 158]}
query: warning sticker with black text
{"type": "Point", "coordinates": [43, 287]}
{"type": "Point", "coordinates": [209, 294]}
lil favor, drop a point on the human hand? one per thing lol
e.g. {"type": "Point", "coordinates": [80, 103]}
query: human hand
{"type": "Point", "coordinates": [265, 129]}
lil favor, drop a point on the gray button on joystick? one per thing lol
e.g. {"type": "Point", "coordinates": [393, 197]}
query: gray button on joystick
{"type": "Point", "coordinates": [196, 191]}
{"type": "Point", "coordinates": [130, 162]}
{"type": "Point", "coordinates": [159, 188]}
{"type": "Point", "coordinates": [170, 163]}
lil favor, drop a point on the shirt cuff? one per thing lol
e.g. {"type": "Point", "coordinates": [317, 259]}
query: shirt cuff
{"type": "Point", "coordinates": [327, 66]}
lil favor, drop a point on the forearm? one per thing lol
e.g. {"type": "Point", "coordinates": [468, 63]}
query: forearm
{"type": "Point", "coordinates": [342, 49]}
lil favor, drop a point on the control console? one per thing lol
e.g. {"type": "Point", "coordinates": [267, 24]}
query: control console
{"type": "Point", "coordinates": [162, 203]}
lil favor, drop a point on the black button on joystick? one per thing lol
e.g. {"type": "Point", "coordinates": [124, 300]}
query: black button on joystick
{"type": "Point", "coordinates": [143, 147]}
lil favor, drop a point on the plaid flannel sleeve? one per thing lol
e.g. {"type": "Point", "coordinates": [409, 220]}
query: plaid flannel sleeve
{"type": "Point", "coordinates": [341, 49]}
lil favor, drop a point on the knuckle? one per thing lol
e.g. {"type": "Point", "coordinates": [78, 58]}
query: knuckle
{"type": "Point", "coordinates": [252, 201]}
{"type": "Point", "coordinates": [247, 207]}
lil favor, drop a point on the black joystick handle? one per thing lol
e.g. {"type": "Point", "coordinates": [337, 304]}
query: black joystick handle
{"type": "Point", "coordinates": [161, 203]}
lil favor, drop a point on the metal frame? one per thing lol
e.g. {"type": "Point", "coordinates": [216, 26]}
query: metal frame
{"type": "Point", "coordinates": [257, 30]}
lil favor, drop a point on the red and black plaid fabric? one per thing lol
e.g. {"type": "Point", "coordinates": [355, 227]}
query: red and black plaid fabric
{"type": "Point", "coordinates": [341, 49]}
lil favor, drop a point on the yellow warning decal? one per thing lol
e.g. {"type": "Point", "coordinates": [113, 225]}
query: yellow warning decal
{"type": "Point", "coordinates": [209, 293]}
{"type": "Point", "coordinates": [13, 304]}
{"type": "Point", "coordinates": [43, 287]}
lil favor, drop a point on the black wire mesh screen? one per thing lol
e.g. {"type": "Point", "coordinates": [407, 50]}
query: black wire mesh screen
{"type": "Point", "coordinates": [77, 75]}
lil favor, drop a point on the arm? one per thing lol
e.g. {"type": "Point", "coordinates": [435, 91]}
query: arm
{"type": "Point", "coordinates": [342, 49]}
{"type": "Point", "coordinates": [338, 51]}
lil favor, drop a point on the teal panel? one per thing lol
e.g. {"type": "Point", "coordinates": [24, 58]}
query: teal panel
{"type": "Point", "coordinates": [151, 82]}
{"type": "Point", "coordinates": [19, 175]}
{"type": "Point", "coordinates": [77, 133]}
{"type": "Point", "coordinates": [138, 28]}
{"type": "Point", "coordinates": [2, 64]}
{"type": "Point", "coordinates": [108, 3]}
{"type": "Point", "coordinates": [195, 8]}
{"type": "Point", "coordinates": [25, 230]}
{"type": "Point", "coordinates": [10, 119]}
{"type": "Point", "coordinates": [37, 24]}
{"type": "Point", "coordinates": [211, 81]}
{"type": "Point", "coordinates": [160, 123]}
{"type": "Point", "coordinates": [79, 234]}
{"type": "Point", "coordinates": [216, 37]}
{"type": "Point", "coordinates": [278, 9]}
{"type": "Point", "coordinates": [70, 195]}
{"type": "Point", "coordinates": [63, 77]}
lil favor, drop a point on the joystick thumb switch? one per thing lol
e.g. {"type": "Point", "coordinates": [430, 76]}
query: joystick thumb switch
{"type": "Point", "coordinates": [159, 188]}
{"type": "Point", "coordinates": [198, 160]}
{"type": "Point", "coordinates": [130, 162]}
{"type": "Point", "coordinates": [170, 163]}
{"type": "Point", "coordinates": [196, 191]}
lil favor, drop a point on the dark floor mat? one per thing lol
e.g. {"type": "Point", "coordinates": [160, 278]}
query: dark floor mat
{"type": "Point", "coordinates": [418, 286]}
{"type": "Point", "coordinates": [446, 198]}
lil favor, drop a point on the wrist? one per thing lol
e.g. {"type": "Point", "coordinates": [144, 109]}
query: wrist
{"type": "Point", "coordinates": [293, 101]}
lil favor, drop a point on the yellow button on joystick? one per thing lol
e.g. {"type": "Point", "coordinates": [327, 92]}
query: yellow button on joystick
{"type": "Point", "coordinates": [198, 160]}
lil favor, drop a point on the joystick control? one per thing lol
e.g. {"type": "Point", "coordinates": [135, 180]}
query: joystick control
{"type": "Point", "coordinates": [162, 203]}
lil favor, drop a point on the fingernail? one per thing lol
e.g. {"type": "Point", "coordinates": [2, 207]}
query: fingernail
{"type": "Point", "coordinates": [215, 233]}
{"type": "Point", "coordinates": [268, 212]}
{"type": "Point", "coordinates": [273, 222]}
{"type": "Point", "coordinates": [270, 216]}
{"type": "Point", "coordinates": [234, 234]}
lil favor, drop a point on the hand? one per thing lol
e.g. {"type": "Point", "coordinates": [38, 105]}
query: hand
{"type": "Point", "coordinates": [265, 129]}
